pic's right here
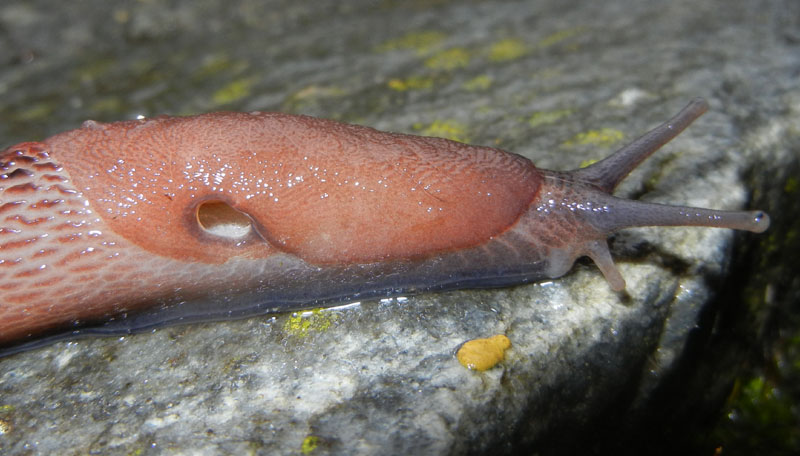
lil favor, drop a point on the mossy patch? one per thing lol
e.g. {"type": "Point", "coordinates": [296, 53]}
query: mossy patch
{"type": "Point", "coordinates": [110, 104]}
{"type": "Point", "coordinates": [35, 112]}
{"type": "Point", "coordinates": [507, 49]}
{"type": "Point", "coordinates": [301, 324]}
{"type": "Point", "coordinates": [310, 95]}
{"type": "Point", "coordinates": [411, 83]}
{"type": "Point", "coordinates": [604, 137]}
{"type": "Point", "coordinates": [233, 91]}
{"type": "Point", "coordinates": [791, 185]}
{"type": "Point", "coordinates": [761, 420]}
{"type": "Point", "coordinates": [448, 129]}
{"type": "Point", "coordinates": [420, 41]}
{"type": "Point", "coordinates": [559, 36]}
{"type": "Point", "coordinates": [449, 59]}
{"type": "Point", "coordinates": [220, 64]}
{"type": "Point", "coordinates": [477, 83]}
{"type": "Point", "coordinates": [540, 118]}
{"type": "Point", "coordinates": [96, 69]}
{"type": "Point", "coordinates": [310, 443]}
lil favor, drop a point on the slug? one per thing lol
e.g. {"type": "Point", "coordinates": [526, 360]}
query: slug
{"type": "Point", "coordinates": [121, 227]}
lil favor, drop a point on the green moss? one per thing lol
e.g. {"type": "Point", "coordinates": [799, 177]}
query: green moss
{"type": "Point", "coordinates": [559, 36]}
{"type": "Point", "coordinates": [110, 104]}
{"type": "Point", "coordinates": [449, 59]}
{"type": "Point", "coordinates": [6, 408]}
{"type": "Point", "coordinates": [96, 69]}
{"type": "Point", "coordinates": [477, 83]}
{"type": "Point", "coordinates": [310, 95]}
{"type": "Point", "coordinates": [548, 117]}
{"type": "Point", "coordinates": [302, 324]}
{"type": "Point", "coordinates": [448, 129]}
{"type": "Point", "coordinates": [508, 49]}
{"type": "Point", "coordinates": [761, 420]}
{"type": "Point", "coordinates": [791, 185]}
{"type": "Point", "coordinates": [310, 443]}
{"type": "Point", "coordinates": [220, 64]}
{"type": "Point", "coordinates": [234, 91]}
{"type": "Point", "coordinates": [35, 112]}
{"type": "Point", "coordinates": [410, 83]}
{"type": "Point", "coordinates": [603, 137]}
{"type": "Point", "coordinates": [420, 41]}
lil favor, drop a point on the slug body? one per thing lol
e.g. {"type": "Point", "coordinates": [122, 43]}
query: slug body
{"type": "Point", "coordinates": [122, 227]}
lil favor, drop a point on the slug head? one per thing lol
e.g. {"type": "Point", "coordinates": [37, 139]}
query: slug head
{"type": "Point", "coordinates": [588, 192]}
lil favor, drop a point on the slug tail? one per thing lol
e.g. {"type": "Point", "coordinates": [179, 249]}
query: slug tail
{"type": "Point", "coordinates": [609, 172]}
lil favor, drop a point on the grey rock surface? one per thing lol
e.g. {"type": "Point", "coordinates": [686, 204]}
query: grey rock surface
{"type": "Point", "coordinates": [559, 82]}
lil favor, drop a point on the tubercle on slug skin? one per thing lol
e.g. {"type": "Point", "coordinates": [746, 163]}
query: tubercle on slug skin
{"type": "Point", "coordinates": [103, 224]}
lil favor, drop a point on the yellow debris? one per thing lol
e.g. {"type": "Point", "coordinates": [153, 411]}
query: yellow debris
{"type": "Point", "coordinates": [483, 354]}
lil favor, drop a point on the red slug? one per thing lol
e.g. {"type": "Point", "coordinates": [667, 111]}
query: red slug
{"type": "Point", "coordinates": [122, 227]}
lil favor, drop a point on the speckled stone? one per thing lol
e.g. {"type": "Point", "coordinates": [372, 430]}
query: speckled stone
{"type": "Point", "coordinates": [559, 82]}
